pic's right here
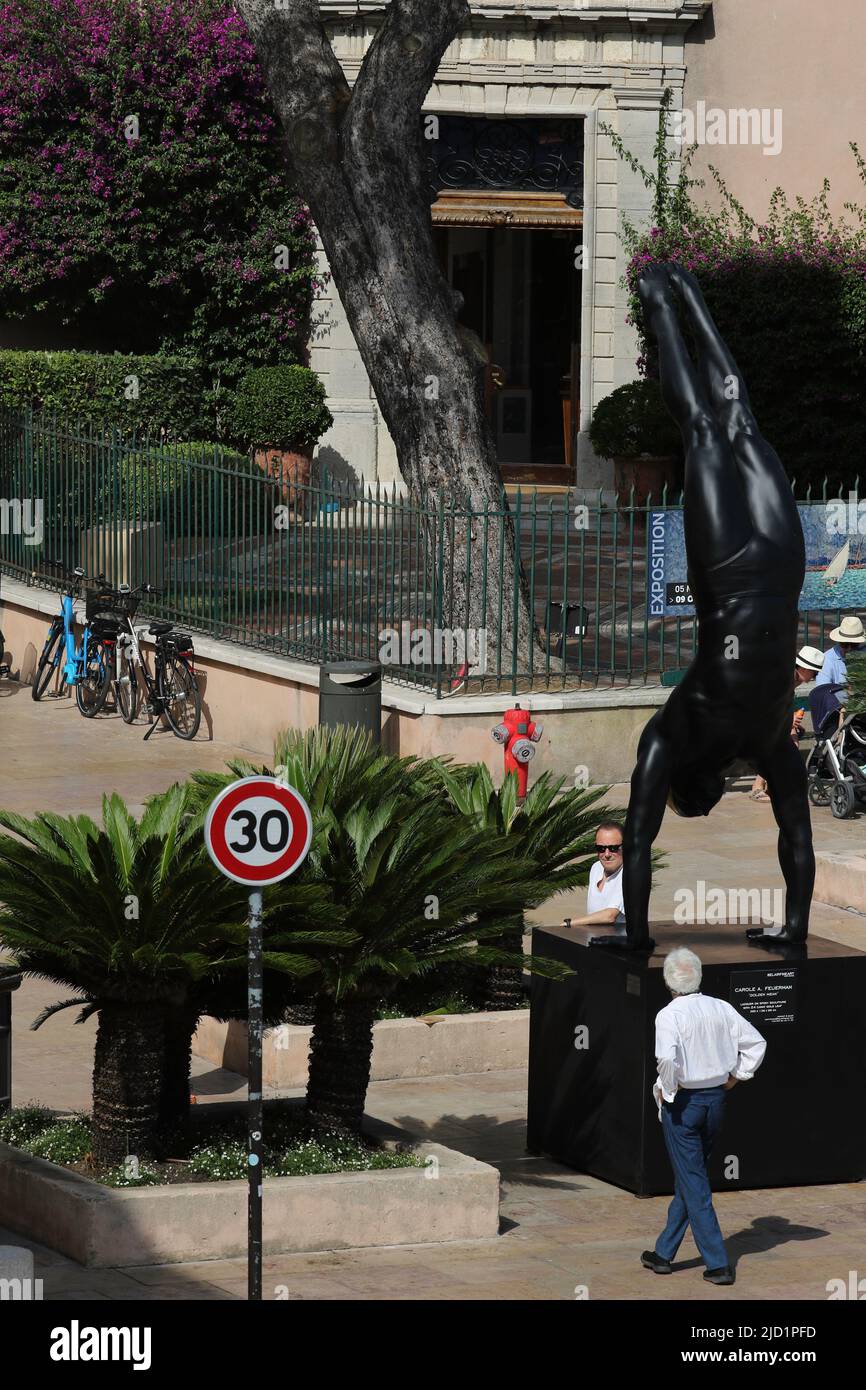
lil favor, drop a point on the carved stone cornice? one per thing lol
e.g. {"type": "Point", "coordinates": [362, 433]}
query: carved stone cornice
{"type": "Point", "coordinates": [497, 208]}
{"type": "Point", "coordinates": [675, 12]}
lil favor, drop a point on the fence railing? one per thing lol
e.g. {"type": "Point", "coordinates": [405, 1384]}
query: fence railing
{"type": "Point", "coordinates": [323, 571]}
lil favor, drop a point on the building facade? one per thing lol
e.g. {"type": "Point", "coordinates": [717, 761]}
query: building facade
{"type": "Point", "coordinates": [526, 193]}
{"type": "Point", "coordinates": [798, 65]}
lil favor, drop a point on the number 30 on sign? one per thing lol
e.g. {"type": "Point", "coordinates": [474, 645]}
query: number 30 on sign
{"type": "Point", "coordinates": [258, 831]}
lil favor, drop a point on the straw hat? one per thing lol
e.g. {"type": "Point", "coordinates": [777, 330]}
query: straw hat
{"type": "Point", "coordinates": [849, 630]}
{"type": "Point", "coordinates": [810, 659]}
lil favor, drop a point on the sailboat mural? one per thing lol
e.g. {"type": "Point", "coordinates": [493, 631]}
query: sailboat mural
{"type": "Point", "coordinates": [835, 565]}
{"type": "Point", "coordinates": [838, 565]}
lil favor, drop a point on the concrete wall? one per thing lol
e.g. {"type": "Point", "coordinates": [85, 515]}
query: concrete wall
{"type": "Point", "coordinates": [451, 1045]}
{"type": "Point", "coordinates": [803, 58]}
{"type": "Point", "coordinates": [104, 1227]}
{"type": "Point", "coordinates": [248, 697]}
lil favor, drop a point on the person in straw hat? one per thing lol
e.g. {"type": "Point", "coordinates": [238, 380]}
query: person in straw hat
{"type": "Point", "coordinates": [825, 699]}
{"type": "Point", "coordinates": [847, 637]}
{"type": "Point", "coordinates": [809, 664]}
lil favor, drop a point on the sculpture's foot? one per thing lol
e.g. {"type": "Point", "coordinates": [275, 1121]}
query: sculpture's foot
{"type": "Point", "coordinates": [774, 938]}
{"type": "Point", "coordinates": [655, 291]}
{"type": "Point", "coordinates": [683, 282]}
{"type": "Point", "coordinates": [619, 941]}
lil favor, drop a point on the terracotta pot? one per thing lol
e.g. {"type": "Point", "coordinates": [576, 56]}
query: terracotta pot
{"type": "Point", "coordinates": [290, 468]}
{"type": "Point", "coordinates": [647, 475]}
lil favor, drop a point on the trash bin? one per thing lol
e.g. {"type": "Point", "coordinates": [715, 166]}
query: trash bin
{"type": "Point", "coordinates": [10, 979]}
{"type": "Point", "coordinates": [572, 617]}
{"type": "Point", "coordinates": [350, 692]}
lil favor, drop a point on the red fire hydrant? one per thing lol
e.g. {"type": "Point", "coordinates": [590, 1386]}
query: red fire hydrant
{"type": "Point", "coordinates": [517, 733]}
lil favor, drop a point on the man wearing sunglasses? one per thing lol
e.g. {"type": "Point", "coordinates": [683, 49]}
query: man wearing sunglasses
{"type": "Point", "coordinates": [604, 894]}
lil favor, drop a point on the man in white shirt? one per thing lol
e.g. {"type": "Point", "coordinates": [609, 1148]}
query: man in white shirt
{"type": "Point", "coordinates": [604, 893]}
{"type": "Point", "coordinates": [703, 1048]}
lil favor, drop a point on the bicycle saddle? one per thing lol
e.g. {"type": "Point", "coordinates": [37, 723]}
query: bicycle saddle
{"type": "Point", "coordinates": [160, 629]}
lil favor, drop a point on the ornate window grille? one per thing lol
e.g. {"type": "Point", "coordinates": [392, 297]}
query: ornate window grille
{"type": "Point", "coordinates": [534, 155]}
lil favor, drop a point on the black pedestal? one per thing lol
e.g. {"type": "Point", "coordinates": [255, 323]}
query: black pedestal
{"type": "Point", "coordinates": [801, 1120]}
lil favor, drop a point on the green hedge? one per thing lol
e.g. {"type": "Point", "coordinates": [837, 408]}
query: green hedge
{"type": "Point", "coordinates": [281, 408]}
{"type": "Point", "coordinates": [129, 392]}
{"type": "Point", "coordinates": [634, 420]}
{"type": "Point", "coordinates": [195, 488]}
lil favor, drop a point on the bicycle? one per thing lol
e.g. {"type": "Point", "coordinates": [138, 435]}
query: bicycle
{"type": "Point", "coordinates": [172, 690]}
{"type": "Point", "coordinates": [86, 668]}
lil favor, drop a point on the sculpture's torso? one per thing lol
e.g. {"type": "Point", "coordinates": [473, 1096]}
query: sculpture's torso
{"type": "Point", "coordinates": [735, 700]}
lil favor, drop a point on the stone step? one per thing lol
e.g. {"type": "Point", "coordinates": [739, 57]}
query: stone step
{"type": "Point", "coordinates": [840, 880]}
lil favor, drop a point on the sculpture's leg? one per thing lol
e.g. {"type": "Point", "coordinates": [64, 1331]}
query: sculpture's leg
{"type": "Point", "coordinates": [785, 772]}
{"type": "Point", "coordinates": [768, 492]}
{"type": "Point", "coordinates": [716, 517]}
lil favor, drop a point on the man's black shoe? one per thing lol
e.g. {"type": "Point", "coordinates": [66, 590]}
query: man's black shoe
{"type": "Point", "coordinates": [650, 1260]}
{"type": "Point", "coordinates": [725, 1275]}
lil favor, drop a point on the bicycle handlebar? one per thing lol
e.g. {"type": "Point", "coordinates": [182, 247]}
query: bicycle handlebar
{"type": "Point", "coordinates": [71, 572]}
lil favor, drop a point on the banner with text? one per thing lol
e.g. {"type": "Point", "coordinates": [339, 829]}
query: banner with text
{"type": "Point", "coordinates": [835, 535]}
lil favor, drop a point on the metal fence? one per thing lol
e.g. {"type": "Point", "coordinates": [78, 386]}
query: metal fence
{"type": "Point", "coordinates": [324, 571]}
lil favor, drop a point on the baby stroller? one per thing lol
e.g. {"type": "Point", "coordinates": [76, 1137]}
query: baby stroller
{"type": "Point", "coordinates": [836, 766]}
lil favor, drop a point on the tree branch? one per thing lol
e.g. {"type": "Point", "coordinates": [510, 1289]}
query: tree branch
{"type": "Point", "coordinates": [398, 72]}
{"type": "Point", "coordinates": [306, 82]}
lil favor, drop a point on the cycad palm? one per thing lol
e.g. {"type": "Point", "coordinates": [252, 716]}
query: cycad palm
{"type": "Point", "coordinates": [136, 919]}
{"type": "Point", "coordinates": [551, 829]}
{"type": "Point", "coordinates": [408, 879]}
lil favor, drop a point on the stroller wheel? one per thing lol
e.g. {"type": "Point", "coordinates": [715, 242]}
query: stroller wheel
{"type": "Point", "coordinates": [818, 793]}
{"type": "Point", "coordinates": [842, 800]}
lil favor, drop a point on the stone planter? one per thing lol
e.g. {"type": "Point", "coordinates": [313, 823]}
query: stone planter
{"type": "Point", "coordinates": [130, 555]}
{"type": "Point", "coordinates": [441, 1045]}
{"type": "Point", "coordinates": [647, 475]}
{"type": "Point", "coordinates": [453, 1197]}
{"type": "Point", "coordinates": [292, 470]}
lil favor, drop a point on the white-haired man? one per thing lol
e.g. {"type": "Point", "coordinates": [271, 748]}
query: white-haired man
{"type": "Point", "coordinates": [703, 1048]}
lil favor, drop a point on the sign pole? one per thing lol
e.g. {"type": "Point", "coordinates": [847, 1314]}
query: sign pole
{"type": "Point", "coordinates": [254, 1093]}
{"type": "Point", "coordinates": [257, 831]}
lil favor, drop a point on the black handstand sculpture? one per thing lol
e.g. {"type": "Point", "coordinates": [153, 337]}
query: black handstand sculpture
{"type": "Point", "coordinates": [746, 563]}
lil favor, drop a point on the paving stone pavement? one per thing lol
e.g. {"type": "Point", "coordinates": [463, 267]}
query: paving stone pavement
{"type": "Point", "coordinates": [563, 1233]}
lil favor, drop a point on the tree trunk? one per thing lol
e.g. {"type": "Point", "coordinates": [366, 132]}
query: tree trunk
{"type": "Point", "coordinates": [127, 1081]}
{"type": "Point", "coordinates": [356, 156]}
{"type": "Point", "coordinates": [181, 1021]}
{"type": "Point", "coordinates": [504, 983]}
{"type": "Point", "coordinates": [340, 1053]}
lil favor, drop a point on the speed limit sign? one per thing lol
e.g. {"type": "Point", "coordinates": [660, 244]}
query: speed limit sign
{"type": "Point", "coordinates": [258, 831]}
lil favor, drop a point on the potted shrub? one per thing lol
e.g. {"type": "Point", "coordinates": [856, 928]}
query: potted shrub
{"type": "Point", "coordinates": [632, 426]}
{"type": "Point", "coordinates": [280, 413]}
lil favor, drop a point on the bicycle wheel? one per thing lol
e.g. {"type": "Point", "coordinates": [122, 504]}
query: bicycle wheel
{"type": "Point", "coordinates": [92, 690]}
{"type": "Point", "coordinates": [48, 661]}
{"type": "Point", "coordinates": [127, 690]}
{"type": "Point", "coordinates": [180, 696]}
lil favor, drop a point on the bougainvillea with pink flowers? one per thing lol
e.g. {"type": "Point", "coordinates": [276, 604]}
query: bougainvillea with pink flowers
{"type": "Point", "coordinates": [789, 295]}
{"type": "Point", "coordinates": [143, 189]}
